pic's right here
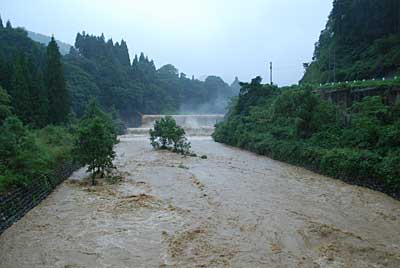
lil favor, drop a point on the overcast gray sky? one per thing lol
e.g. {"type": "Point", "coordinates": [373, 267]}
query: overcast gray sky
{"type": "Point", "coordinates": [200, 37]}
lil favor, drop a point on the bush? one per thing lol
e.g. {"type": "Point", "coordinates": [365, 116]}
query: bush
{"type": "Point", "coordinates": [95, 143]}
{"type": "Point", "coordinates": [390, 170]}
{"type": "Point", "coordinates": [168, 135]}
{"type": "Point", "coordinates": [295, 125]}
{"type": "Point", "coordinates": [22, 157]}
{"type": "Point", "coordinates": [5, 105]}
{"type": "Point", "coordinates": [350, 164]}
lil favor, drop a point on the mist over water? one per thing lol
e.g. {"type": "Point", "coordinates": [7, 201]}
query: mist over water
{"type": "Point", "coordinates": [218, 106]}
{"type": "Point", "coordinates": [186, 121]}
{"type": "Point", "coordinates": [194, 124]}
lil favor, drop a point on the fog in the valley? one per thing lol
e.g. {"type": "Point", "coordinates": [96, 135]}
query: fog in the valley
{"type": "Point", "coordinates": [225, 38]}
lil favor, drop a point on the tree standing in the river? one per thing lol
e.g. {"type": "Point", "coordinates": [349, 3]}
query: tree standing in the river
{"type": "Point", "coordinates": [95, 143]}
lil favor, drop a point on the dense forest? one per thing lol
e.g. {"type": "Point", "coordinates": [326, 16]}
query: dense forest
{"type": "Point", "coordinates": [100, 69]}
{"type": "Point", "coordinates": [45, 97]}
{"type": "Point", "coordinates": [361, 40]}
{"type": "Point", "coordinates": [33, 76]}
{"type": "Point", "coordinates": [359, 144]}
{"type": "Point", "coordinates": [103, 69]}
{"type": "Point", "coordinates": [34, 109]}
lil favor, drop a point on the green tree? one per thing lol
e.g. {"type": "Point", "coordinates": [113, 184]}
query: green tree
{"type": "Point", "coordinates": [20, 90]}
{"type": "Point", "coordinates": [101, 69]}
{"type": "Point", "coordinates": [20, 155]}
{"type": "Point", "coordinates": [95, 147]}
{"type": "Point", "coordinates": [168, 135]}
{"type": "Point", "coordinates": [59, 101]}
{"type": "Point", "coordinates": [95, 142]}
{"type": "Point", "coordinates": [39, 100]}
{"type": "Point", "coordinates": [5, 104]}
{"type": "Point", "coordinates": [93, 111]}
{"type": "Point", "coordinates": [360, 41]}
{"type": "Point", "coordinates": [29, 155]}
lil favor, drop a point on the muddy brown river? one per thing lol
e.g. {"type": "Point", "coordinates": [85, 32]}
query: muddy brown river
{"type": "Point", "coordinates": [233, 209]}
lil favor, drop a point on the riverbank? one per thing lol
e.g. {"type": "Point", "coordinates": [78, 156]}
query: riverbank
{"type": "Point", "coordinates": [233, 209]}
{"type": "Point", "coordinates": [359, 144]}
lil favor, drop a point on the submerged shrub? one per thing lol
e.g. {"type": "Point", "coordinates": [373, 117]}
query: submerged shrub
{"type": "Point", "coordinates": [166, 134]}
{"type": "Point", "coordinates": [95, 142]}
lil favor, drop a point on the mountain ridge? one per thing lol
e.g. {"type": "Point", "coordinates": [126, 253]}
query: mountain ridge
{"type": "Point", "coordinates": [44, 39]}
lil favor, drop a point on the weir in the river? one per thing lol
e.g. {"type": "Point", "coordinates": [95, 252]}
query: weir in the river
{"type": "Point", "coordinates": [195, 125]}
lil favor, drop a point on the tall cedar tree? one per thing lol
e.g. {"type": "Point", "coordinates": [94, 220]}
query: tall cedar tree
{"type": "Point", "coordinates": [20, 93]}
{"type": "Point", "coordinates": [5, 105]}
{"type": "Point", "coordinates": [39, 99]}
{"type": "Point", "coordinates": [59, 100]}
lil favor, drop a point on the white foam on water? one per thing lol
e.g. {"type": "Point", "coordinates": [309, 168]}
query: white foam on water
{"type": "Point", "coordinates": [194, 125]}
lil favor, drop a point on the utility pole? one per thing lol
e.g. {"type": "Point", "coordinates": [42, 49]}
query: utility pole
{"type": "Point", "coordinates": [270, 73]}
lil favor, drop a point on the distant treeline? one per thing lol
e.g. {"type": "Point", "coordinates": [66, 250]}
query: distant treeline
{"type": "Point", "coordinates": [44, 99]}
{"type": "Point", "coordinates": [103, 69]}
{"type": "Point", "coordinates": [361, 40]}
{"type": "Point", "coordinates": [100, 69]}
{"type": "Point", "coordinates": [33, 76]}
{"type": "Point", "coordinates": [39, 133]}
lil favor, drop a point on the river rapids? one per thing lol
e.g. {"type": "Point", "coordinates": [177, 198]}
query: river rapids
{"type": "Point", "coordinates": [233, 209]}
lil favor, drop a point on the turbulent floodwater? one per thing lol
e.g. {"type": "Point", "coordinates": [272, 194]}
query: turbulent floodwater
{"type": "Point", "coordinates": [194, 125]}
{"type": "Point", "coordinates": [234, 209]}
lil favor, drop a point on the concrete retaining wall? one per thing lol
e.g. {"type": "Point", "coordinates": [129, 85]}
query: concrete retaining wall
{"type": "Point", "coordinates": [345, 97]}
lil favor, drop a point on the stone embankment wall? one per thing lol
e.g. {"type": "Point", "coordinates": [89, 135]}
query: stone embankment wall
{"type": "Point", "coordinates": [345, 97]}
{"type": "Point", "coordinates": [16, 203]}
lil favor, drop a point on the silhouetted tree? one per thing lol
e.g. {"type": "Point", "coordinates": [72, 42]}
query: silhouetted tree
{"type": "Point", "coordinates": [5, 105]}
{"type": "Point", "coordinates": [20, 92]}
{"type": "Point", "coordinates": [59, 102]}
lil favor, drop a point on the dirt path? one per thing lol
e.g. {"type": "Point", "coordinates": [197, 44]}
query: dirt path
{"type": "Point", "coordinates": [234, 209]}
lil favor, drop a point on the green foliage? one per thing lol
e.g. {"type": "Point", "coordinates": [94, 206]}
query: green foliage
{"type": "Point", "coordinates": [102, 69]}
{"type": "Point", "coordinates": [26, 155]}
{"type": "Point", "coordinates": [308, 113]}
{"type": "Point", "coordinates": [361, 40]}
{"type": "Point", "coordinates": [45, 86]}
{"type": "Point", "coordinates": [95, 141]}
{"type": "Point", "coordinates": [5, 105]}
{"type": "Point", "coordinates": [168, 135]}
{"type": "Point", "coordinates": [33, 77]}
{"type": "Point", "coordinates": [58, 141]}
{"type": "Point", "coordinates": [59, 102]}
{"type": "Point", "coordinates": [294, 124]}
